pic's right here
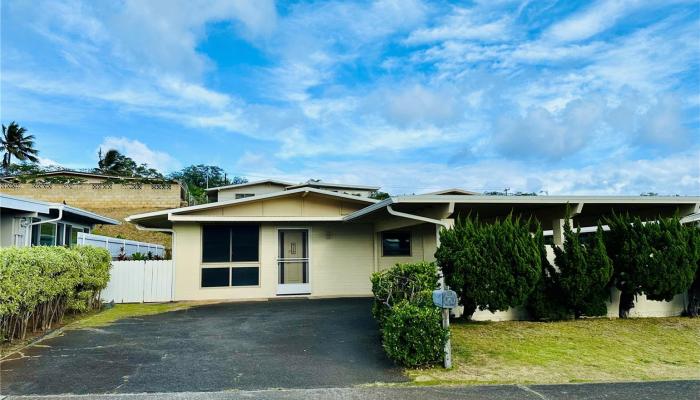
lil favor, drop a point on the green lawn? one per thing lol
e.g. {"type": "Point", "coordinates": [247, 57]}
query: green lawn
{"type": "Point", "coordinates": [571, 351]}
{"type": "Point", "coordinates": [120, 311]}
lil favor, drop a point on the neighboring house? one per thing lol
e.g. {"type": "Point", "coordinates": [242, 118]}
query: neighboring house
{"type": "Point", "coordinates": [243, 190]}
{"type": "Point", "coordinates": [28, 222]}
{"type": "Point", "coordinates": [451, 191]}
{"type": "Point", "coordinates": [93, 190]}
{"type": "Point", "coordinates": [311, 241]}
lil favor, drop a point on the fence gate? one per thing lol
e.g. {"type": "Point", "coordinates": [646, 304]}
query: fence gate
{"type": "Point", "coordinates": [140, 282]}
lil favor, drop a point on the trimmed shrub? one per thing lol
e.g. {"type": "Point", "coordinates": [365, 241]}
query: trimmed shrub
{"type": "Point", "coordinates": [413, 335]}
{"type": "Point", "coordinates": [38, 285]}
{"type": "Point", "coordinates": [658, 259]}
{"type": "Point", "coordinates": [413, 282]}
{"type": "Point", "coordinates": [492, 266]}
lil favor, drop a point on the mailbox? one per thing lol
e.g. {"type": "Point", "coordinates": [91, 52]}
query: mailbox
{"type": "Point", "coordinates": [445, 298]}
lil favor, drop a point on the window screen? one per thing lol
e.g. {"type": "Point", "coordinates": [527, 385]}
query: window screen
{"type": "Point", "coordinates": [244, 243]}
{"type": "Point", "coordinates": [225, 243]}
{"type": "Point", "coordinates": [215, 277]}
{"type": "Point", "coordinates": [243, 195]}
{"type": "Point", "coordinates": [396, 243]}
{"type": "Point", "coordinates": [216, 243]}
{"type": "Point", "coordinates": [244, 276]}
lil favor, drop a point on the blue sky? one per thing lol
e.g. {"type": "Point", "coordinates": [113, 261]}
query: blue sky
{"type": "Point", "coordinates": [566, 97]}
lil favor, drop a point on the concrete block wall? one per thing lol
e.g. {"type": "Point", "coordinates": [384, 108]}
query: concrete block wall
{"type": "Point", "coordinates": [89, 195]}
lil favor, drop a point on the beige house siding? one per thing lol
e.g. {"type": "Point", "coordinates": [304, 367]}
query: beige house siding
{"type": "Point", "coordinates": [340, 262]}
{"type": "Point", "coordinates": [262, 188]}
{"type": "Point", "coordinates": [311, 205]}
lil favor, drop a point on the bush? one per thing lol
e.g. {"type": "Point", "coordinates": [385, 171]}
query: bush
{"type": "Point", "coordinates": [38, 285]}
{"type": "Point", "coordinates": [413, 282]}
{"type": "Point", "coordinates": [658, 259]}
{"type": "Point", "coordinates": [413, 335]}
{"type": "Point", "coordinates": [491, 266]}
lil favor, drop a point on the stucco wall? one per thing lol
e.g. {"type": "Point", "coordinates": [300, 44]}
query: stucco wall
{"type": "Point", "coordinates": [86, 195]}
{"type": "Point", "coordinates": [340, 262]}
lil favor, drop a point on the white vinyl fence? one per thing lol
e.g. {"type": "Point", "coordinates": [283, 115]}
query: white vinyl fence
{"type": "Point", "coordinates": [115, 245]}
{"type": "Point", "coordinates": [140, 282]}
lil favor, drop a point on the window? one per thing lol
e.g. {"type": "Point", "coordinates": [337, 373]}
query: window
{"type": "Point", "coordinates": [60, 231]}
{"type": "Point", "coordinates": [74, 236]}
{"type": "Point", "coordinates": [396, 243]}
{"type": "Point", "coordinates": [44, 234]}
{"type": "Point", "coordinates": [215, 277]}
{"type": "Point", "coordinates": [230, 244]}
{"type": "Point", "coordinates": [245, 276]}
{"type": "Point", "coordinates": [243, 195]}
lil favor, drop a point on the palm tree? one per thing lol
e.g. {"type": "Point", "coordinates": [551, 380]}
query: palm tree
{"type": "Point", "coordinates": [113, 162]}
{"type": "Point", "coordinates": [14, 142]}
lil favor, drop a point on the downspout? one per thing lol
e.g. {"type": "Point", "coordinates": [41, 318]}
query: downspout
{"type": "Point", "coordinates": [28, 239]}
{"type": "Point", "coordinates": [172, 256]}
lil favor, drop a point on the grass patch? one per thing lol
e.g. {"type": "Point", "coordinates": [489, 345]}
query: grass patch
{"type": "Point", "coordinates": [570, 351]}
{"type": "Point", "coordinates": [121, 311]}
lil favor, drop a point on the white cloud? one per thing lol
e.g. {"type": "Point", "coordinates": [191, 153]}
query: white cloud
{"type": "Point", "coordinates": [463, 24]}
{"type": "Point", "coordinates": [141, 153]}
{"type": "Point", "coordinates": [595, 19]}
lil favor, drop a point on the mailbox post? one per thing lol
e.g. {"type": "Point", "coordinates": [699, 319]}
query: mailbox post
{"type": "Point", "coordinates": [446, 299]}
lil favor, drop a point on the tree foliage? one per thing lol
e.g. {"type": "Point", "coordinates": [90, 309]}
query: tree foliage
{"type": "Point", "coordinates": [658, 259]}
{"type": "Point", "coordinates": [115, 163]}
{"type": "Point", "coordinates": [693, 308]}
{"type": "Point", "coordinates": [578, 285]}
{"type": "Point", "coordinates": [199, 177]}
{"type": "Point", "coordinates": [15, 143]}
{"type": "Point", "coordinates": [492, 266]}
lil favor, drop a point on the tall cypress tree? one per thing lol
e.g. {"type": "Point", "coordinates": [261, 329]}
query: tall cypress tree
{"type": "Point", "coordinates": [492, 266]}
{"type": "Point", "coordinates": [657, 258]}
{"type": "Point", "coordinates": [584, 273]}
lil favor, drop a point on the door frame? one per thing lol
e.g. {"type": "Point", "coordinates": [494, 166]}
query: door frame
{"type": "Point", "coordinates": [293, 288]}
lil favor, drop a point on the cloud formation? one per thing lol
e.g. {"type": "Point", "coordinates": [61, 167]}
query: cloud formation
{"type": "Point", "coordinates": [493, 89]}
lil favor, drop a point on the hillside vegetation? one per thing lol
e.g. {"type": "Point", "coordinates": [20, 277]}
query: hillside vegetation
{"type": "Point", "coordinates": [127, 230]}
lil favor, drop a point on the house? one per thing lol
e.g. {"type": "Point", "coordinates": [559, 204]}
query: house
{"type": "Point", "coordinates": [96, 190]}
{"type": "Point", "coordinates": [239, 191]}
{"type": "Point", "coordinates": [312, 241]}
{"type": "Point", "coordinates": [28, 222]}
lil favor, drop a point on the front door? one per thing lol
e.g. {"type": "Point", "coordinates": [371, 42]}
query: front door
{"type": "Point", "coordinates": [293, 262]}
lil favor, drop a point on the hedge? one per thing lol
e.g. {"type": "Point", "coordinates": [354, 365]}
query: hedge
{"type": "Point", "coordinates": [411, 326]}
{"type": "Point", "coordinates": [413, 334]}
{"type": "Point", "coordinates": [39, 284]}
{"type": "Point", "coordinates": [412, 282]}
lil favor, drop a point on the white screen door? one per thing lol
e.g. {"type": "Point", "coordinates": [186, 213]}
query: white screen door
{"type": "Point", "coordinates": [293, 262]}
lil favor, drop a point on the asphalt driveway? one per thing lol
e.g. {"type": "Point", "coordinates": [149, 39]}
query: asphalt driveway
{"type": "Point", "coordinates": [257, 345]}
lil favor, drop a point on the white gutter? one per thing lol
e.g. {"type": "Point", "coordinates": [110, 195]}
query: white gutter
{"type": "Point", "coordinates": [28, 237]}
{"type": "Point", "coordinates": [415, 217]}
